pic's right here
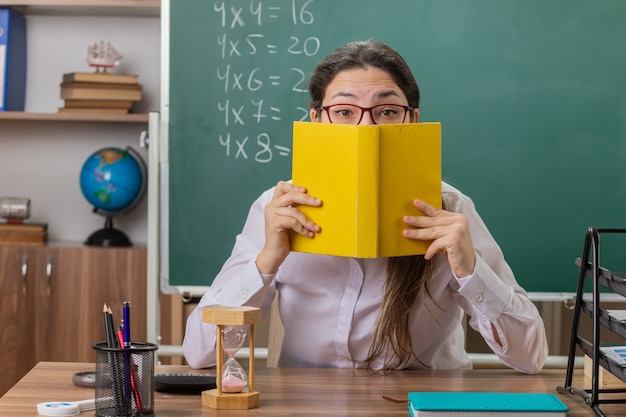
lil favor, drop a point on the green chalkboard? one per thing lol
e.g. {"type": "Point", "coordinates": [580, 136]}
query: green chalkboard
{"type": "Point", "coordinates": [531, 95]}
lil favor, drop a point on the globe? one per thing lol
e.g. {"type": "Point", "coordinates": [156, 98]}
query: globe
{"type": "Point", "coordinates": [113, 180]}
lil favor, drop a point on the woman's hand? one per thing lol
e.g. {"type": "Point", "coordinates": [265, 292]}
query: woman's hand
{"type": "Point", "coordinates": [281, 217]}
{"type": "Point", "coordinates": [449, 233]}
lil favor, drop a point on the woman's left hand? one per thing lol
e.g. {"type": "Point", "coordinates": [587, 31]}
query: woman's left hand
{"type": "Point", "coordinates": [449, 233]}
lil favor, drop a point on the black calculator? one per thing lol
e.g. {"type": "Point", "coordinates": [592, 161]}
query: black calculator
{"type": "Point", "coordinates": [185, 383]}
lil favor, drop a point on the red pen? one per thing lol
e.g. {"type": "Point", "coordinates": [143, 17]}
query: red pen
{"type": "Point", "coordinates": [133, 383]}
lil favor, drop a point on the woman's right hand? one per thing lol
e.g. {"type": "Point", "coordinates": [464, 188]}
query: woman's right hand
{"type": "Point", "coordinates": [281, 217]}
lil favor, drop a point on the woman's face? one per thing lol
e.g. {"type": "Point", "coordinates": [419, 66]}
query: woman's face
{"type": "Point", "coordinates": [365, 87]}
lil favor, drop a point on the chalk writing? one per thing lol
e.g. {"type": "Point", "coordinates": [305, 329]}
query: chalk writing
{"type": "Point", "coordinates": [258, 103]}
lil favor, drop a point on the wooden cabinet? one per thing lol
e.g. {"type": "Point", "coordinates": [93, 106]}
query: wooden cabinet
{"type": "Point", "coordinates": [51, 301]}
{"type": "Point", "coordinates": [17, 314]}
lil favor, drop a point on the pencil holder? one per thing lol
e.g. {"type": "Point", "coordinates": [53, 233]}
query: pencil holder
{"type": "Point", "coordinates": [125, 380]}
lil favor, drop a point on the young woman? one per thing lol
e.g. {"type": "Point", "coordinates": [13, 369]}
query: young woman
{"type": "Point", "coordinates": [384, 313]}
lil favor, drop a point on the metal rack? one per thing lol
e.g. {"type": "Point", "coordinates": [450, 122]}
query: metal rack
{"type": "Point", "coordinates": [600, 278]}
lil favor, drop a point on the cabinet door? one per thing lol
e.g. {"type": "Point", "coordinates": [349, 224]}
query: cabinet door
{"type": "Point", "coordinates": [55, 318]}
{"type": "Point", "coordinates": [83, 279]}
{"type": "Point", "coordinates": [18, 306]}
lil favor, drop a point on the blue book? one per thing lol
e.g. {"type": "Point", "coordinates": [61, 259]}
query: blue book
{"type": "Point", "coordinates": [458, 404]}
{"type": "Point", "coordinates": [12, 60]}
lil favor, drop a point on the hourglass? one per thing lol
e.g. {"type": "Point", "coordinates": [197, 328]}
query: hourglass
{"type": "Point", "coordinates": [234, 378]}
{"type": "Point", "coordinates": [233, 325]}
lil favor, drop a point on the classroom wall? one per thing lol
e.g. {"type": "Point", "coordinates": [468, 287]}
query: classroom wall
{"type": "Point", "coordinates": [42, 160]}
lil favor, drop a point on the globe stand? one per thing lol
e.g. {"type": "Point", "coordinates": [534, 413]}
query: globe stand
{"type": "Point", "coordinates": [108, 236]}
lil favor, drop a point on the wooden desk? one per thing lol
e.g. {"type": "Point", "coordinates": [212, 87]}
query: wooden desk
{"type": "Point", "coordinates": [294, 392]}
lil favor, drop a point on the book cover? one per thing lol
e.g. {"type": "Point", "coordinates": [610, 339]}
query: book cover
{"type": "Point", "coordinates": [107, 110]}
{"type": "Point", "coordinates": [23, 227]}
{"type": "Point", "coordinates": [23, 238]}
{"type": "Point", "coordinates": [458, 404]}
{"type": "Point", "coordinates": [12, 60]}
{"type": "Point", "coordinates": [615, 353]}
{"type": "Point", "coordinates": [34, 234]}
{"type": "Point", "coordinates": [103, 86]}
{"type": "Point", "coordinates": [100, 77]}
{"type": "Point", "coordinates": [99, 91]}
{"type": "Point", "coordinates": [367, 178]}
{"type": "Point", "coordinates": [86, 104]}
{"type": "Point", "coordinates": [617, 315]}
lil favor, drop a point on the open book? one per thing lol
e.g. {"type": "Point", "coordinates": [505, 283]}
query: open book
{"type": "Point", "coordinates": [367, 178]}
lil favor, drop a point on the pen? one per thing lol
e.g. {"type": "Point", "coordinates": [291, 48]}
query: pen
{"type": "Point", "coordinates": [131, 370]}
{"type": "Point", "coordinates": [126, 345]}
{"type": "Point", "coordinates": [126, 318]}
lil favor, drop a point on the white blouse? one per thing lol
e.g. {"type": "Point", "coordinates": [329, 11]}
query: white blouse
{"type": "Point", "coordinates": [328, 304]}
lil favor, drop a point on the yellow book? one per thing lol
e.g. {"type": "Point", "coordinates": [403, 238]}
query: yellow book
{"type": "Point", "coordinates": [367, 178]}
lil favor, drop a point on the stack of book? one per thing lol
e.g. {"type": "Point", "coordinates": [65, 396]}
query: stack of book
{"type": "Point", "coordinates": [32, 234]}
{"type": "Point", "coordinates": [99, 92]}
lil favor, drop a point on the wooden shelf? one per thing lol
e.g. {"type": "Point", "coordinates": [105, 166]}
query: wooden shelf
{"type": "Point", "coordinates": [118, 8]}
{"type": "Point", "coordinates": [73, 117]}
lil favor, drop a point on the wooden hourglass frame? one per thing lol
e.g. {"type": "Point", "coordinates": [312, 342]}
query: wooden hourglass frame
{"type": "Point", "coordinates": [231, 316]}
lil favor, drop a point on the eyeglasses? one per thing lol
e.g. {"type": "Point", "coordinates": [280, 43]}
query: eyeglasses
{"type": "Point", "coordinates": [352, 114]}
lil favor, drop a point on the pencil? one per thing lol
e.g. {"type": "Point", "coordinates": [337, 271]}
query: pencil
{"type": "Point", "coordinates": [111, 329]}
{"type": "Point", "coordinates": [108, 327]}
{"type": "Point", "coordinates": [112, 342]}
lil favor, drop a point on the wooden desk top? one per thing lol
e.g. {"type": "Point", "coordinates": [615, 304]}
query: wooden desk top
{"type": "Point", "coordinates": [293, 392]}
